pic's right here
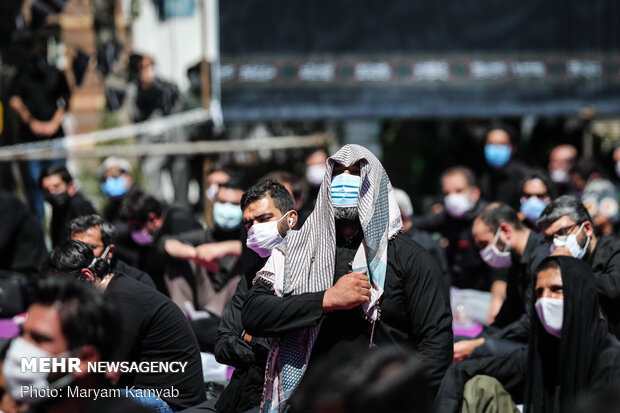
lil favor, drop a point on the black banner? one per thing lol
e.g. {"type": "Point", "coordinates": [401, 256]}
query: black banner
{"type": "Point", "coordinates": [411, 58]}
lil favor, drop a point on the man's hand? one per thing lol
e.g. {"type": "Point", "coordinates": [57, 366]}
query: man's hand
{"type": "Point", "coordinates": [561, 251]}
{"type": "Point", "coordinates": [217, 250]}
{"type": "Point", "coordinates": [464, 348]}
{"type": "Point", "coordinates": [351, 290]}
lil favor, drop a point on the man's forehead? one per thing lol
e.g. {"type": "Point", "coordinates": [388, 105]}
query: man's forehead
{"type": "Point", "coordinates": [259, 207]}
{"type": "Point", "coordinates": [561, 222]}
{"type": "Point", "coordinates": [92, 233]}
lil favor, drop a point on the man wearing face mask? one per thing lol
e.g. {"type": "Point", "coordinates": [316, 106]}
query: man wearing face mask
{"type": "Point", "coordinates": [537, 191]}
{"type": "Point", "coordinates": [152, 328]}
{"type": "Point", "coordinates": [66, 318]}
{"type": "Point", "coordinates": [268, 214]}
{"type": "Point", "coordinates": [504, 242]}
{"type": "Point", "coordinates": [213, 255]}
{"type": "Point", "coordinates": [99, 235]}
{"type": "Point", "coordinates": [569, 231]}
{"type": "Point", "coordinates": [347, 280]}
{"type": "Point", "coordinates": [467, 269]}
{"type": "Point", "coordinates": [59, 190]}
{"type": "Point", "coordinates": [570, 352]}
{"type": "Point", "coordinates": [150, 222]}
{"type": "Point", "coordinates": [561, 161]}
{"type": "Point", "coordinates": [500, 181]}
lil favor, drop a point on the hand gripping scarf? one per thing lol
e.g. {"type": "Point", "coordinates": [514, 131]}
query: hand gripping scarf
{"type": "Point", "coordinates": [304, 262]}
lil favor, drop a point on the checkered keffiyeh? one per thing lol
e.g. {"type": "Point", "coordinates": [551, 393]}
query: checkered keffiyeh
{"type": "Point", "coordinates": [304, 262]}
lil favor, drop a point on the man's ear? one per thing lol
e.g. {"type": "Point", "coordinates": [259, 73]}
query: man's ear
{"type": "Point", "coordinates": [111, 252]}
{"type": "Point", "coordinates": [292, 219]}
{"type": "Point", "coordinates": [88, 354]}
{"type": "Point", "coordinates": [475, 194]}
{"type": "Point", "coordinates": [71, 189]}
{"type": "Point", "coordinates": [588, 229]}
{"type": "Point", "coordinates": [87, 275]}
{"type": "Point", "coordinates": [151, 216]}
{"type": "Point", "coordinates": [506, 229]}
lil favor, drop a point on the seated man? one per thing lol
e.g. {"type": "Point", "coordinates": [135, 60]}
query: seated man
{"type": "Point", "coordinates": [59, 190]}
{"type": "Point", "coordinates": [570, 352]}
{"type": "Point", "coordinates": [66, 318]}
{"type": "Point", "coordinates": [504, 240]}
{"type": "Point", "coordinates": [95, 232]}
{"type": "Point", "coordinates": [213, 255]}
{"type": "Point", "coordinates": [152, 329]}
{"type": "Point", "coordinates": [150, 222]}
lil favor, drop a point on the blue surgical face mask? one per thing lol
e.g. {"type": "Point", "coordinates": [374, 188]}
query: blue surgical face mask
{"type": "Point", "coordinates": [344, 190]}
{"type": "Point", "coordinates": [532, 207]}
{"type": "Point", "coordinates": [497, 155]}
{"type": "Point", "coordinates": [114, 187]}
{"type": "Point", "coordinates": [226, 215]}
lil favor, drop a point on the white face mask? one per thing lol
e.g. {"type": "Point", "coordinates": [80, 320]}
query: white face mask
{"type": "Point", "coordinates": [570, 243]}
{"type": "Point", "coordinates": [494, 257]}
{"type": "Point", "coordinates": [560, 176]}
{"type": "Point", "coordinates": [458, 205]}
{"type": "Point", "coordinates": [264, 237]}
{"type": "Point", "coordinates": [551, 314]}
{"type": "Point", "coordinates": [315, 174]}
{"type": "Point", "coordinates": [35, 380]}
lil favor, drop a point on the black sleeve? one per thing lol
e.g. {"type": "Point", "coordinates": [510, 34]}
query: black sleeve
{"type": "Point", "coordinates": [518, 331]}
{"type": "Point", "coordinates": [230, 348]}
{"type": "Point", "coordinates": [509, 370]}
{"type": "Point", "coordinates": [28, 246]}
{"type": "Point", "coordinates": [428, 310]}
{"type": "Point", "coordinates": [513, 306]}
{"type": "Point", "coordinates": [608, 278]}
{"type": "Point", "coordinates": [63, 92]}
{"type": "Point", "coordinates": [266, 315]}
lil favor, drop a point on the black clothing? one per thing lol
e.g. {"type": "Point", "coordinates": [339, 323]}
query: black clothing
{"type": "Point", "coordinates": [554, 371]}
{"type": "Point", "coordinates": [467, 269]}
{"type": "Point", "coordinates": [159, 96]}
{"type": "Point", "coordinates": [414, 309]}
{"type": "Point", "coordinates": [424, 239]}
{"type": "Point", "coordinates": [43, 90]}
{"type": "Point", "coordinates": [122, 267]}
{"type": "Point", "coordinates": [153, 259]}
{"type": "Point", "coordinates": [155, 329]}
{"type": "Point", "coordinates": [76, 206]}
{"type": "Point", "coordinates": [245, 388]}
{"type": "Point", "coordinates": [504, 184]}
{"type": "Point", "coordinates": [605, 263]}
{"type": "Point", "coordinates": [22, 246]}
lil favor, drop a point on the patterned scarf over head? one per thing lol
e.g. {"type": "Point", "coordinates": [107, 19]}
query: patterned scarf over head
{"type": "Point", "coordinates": [304, 262]}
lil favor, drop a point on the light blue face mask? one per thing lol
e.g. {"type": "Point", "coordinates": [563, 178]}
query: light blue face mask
{"type": "Point", "coordinates": [344, 189]}
{"type": "Point", "coordinates": [226, 215]}
{"type": "Point", "coordinates": [114, 187]}
{"type": "Point", "coordinates": [497, 155]}
{"type": "Point", "coordinates": [533, 207]}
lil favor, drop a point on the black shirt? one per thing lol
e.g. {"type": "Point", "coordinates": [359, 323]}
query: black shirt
{"type": "Point", "coordinates": [504, 184]}
{"type": "Point", "coordinates": [605, 262]}
{"type": "Point", "coordinates": [415, 311]}
{"type": "Point", "coordinates": [155, 329]}
{"type": "Point", "coordinates": [22, 246]}
{"type": "Point", "coordinates": [76, 206]}
{"type": "Point", "coordinates": [122, 267]}
{"type": "Point", "coordinates": [467, 269]}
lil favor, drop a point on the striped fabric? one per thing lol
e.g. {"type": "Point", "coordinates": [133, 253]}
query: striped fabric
{"type": "Point", "coordinates": [308, 257]}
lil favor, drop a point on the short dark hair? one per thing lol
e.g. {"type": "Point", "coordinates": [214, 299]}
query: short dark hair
{"type": "Point", "coordinates": [497, 213]}
{"type": "Point", "coordinates": [282, 198]}
{"type": "Point", "coordinates": [469, 175]}
{"type": "Point", "coordinates": [566, 205]}
{"type": "Point", "coordinates": [138, 204]}
{"type": "Point", "coordinates": [510, 131]}
{"type": "Point", "coordinates": [71, 256]}
{"type": "Point", "coordinates": [82, 224]}
{"type": "Point", "coordinates": [540, 174]}
{"type": "Point", "coordinates": [87, 317]}
{"type": "Point", "coordinates": [56, 170]}
{"type": "Point", "coordinates": [234, 182]}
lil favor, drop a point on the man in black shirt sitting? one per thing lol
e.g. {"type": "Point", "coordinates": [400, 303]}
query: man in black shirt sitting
{"type": "Point", "coordinates": [98, 234]}
{"type": "Point", "coordinates": [152, 329]}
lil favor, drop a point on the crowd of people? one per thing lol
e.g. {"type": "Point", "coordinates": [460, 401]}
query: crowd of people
{"type": "Point", "coordinates": [324, 294]}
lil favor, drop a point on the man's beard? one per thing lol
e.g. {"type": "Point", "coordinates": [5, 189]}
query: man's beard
{"type": "Point", "coordinates": [346, 214]}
